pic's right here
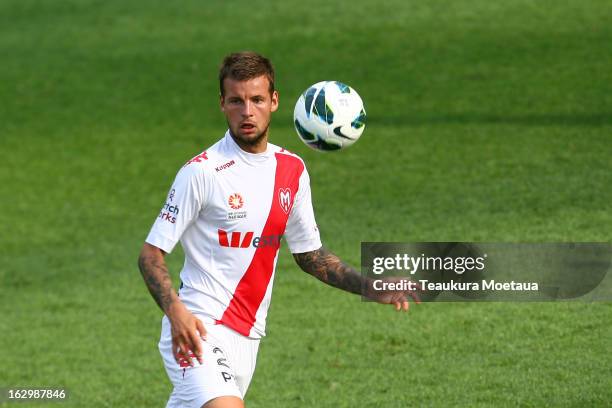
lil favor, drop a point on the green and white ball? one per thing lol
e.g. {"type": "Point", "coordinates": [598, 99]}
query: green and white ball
{"type": "Point", "coordinates": [329, 115]}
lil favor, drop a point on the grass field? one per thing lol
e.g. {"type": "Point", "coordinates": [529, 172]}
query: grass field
{"type": "Point", "coordinates": [488, 121]}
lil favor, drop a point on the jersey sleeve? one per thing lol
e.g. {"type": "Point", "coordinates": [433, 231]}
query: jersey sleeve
{"type": "Point", "coordinates": [182, 207]}
{"type": "Point", "coordinates": [302, 233]}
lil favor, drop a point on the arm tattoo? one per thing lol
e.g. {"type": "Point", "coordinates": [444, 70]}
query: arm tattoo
{"type": "Point", "coordinates": [328, 268]}
{"type": "Point", "coordinates": [155, 274]}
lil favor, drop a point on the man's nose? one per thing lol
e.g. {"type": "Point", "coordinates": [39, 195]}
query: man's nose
{"type": "Point", "coordinates": [247, 109]}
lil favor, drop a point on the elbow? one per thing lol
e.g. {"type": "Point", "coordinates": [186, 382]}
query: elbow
{"type": "Point", "coordinates": [299, 261]}
{"type": "Point", "coordinates": [149, 252]}
{"type": "Point", "coordinates": [145, 253]}
{"type": "Point", "coordinates": [141, 262]}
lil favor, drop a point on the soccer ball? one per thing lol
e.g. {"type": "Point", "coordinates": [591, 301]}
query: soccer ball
{"type": "Point", "coordinates": [329, 115]}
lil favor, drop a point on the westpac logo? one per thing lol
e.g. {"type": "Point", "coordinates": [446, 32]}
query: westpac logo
{"type": "Point", "coordinates": [236, 239]}
{"type": "Point", "coordinates": [284, 199]}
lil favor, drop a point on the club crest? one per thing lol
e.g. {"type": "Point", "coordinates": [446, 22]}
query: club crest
{"type": "Point", "coordinates": [284, 198]}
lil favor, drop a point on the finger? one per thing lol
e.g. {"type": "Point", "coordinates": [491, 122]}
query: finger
{"type": "Point", "coordinates": [179, 356]}
{"type": "Point", "coordinates": [197, 346]}
{"type": "Point", "coordinates": [175, 350]}
{"type": "Point", "coordinates": [405, 305]}
{"type": "Point", "coordinates": [415, 296]}
{"type": "Point", "coordinates": [201, 329]}
{"type": "Point", "coordinates": [202, 333]}
{"type": "Point", "coordinates": [186, 351]}
{"type": "Point", "coordinates": [176, 346]}
{"type": "Point", "coordinates": [397, 306]}
{"type": "Point", "coordinates": [184, 348]}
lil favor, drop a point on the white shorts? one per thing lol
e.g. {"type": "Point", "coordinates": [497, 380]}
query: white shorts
{"type": "Point", "coordinates": [228, 364]}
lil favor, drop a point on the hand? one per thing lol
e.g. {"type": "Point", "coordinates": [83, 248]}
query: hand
{"type": "Point", "coordinates": [187, 332]}
{"type": "Point", "coordinates": [398, 298]}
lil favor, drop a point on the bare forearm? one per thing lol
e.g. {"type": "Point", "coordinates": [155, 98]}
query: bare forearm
{"type": "Point", "coordinates": [328, 268]}
{"type": "Point", "coordinates": [155, 274]}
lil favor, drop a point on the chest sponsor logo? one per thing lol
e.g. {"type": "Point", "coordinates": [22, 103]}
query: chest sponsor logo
{"type": "Point", "coordinates": [235, 201]}
{"type": "Point", "coordinates": [284, 198]}
{"type": "Point", "coordinates": [236, 239]}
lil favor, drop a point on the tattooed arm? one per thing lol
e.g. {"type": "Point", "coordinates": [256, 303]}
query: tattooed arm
{"type": "Point", "coordinates": [185, 326]}
{"type": "Point", "coordinates": [155, 274]}
{"type": "Point", "coordinates": [330, 269]}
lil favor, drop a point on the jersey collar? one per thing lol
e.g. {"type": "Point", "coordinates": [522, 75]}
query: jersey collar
{"type": "Point", "coordinates": [250, 158]}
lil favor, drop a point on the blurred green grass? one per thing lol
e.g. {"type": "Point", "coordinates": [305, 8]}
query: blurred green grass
{"type": "Point", "coordinates": [486, 122]}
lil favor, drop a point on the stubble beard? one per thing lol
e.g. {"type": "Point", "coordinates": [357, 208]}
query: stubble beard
{"type": "Point", "coordinates": [250, 142]}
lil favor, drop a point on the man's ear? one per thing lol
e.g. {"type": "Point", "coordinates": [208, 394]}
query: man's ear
{"type": "Point", "coordinates": [274, 106]}
{"type": "Point", "coordinates": [222, 102]}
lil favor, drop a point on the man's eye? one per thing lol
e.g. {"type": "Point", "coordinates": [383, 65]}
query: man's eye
{"type": "Point", "coordinates": [235, 101]}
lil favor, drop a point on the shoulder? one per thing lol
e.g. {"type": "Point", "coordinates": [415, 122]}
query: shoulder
{"type": "Point", "coordinates": [287, 156]}
{"type": "Point", "coordinates": [202, 162]}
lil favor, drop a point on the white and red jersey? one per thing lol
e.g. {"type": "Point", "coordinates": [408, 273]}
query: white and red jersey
{"type": "Point", "coordinates": [229, 209]}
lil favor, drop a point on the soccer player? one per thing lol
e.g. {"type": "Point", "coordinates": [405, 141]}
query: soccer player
{"type": "Point", "coordinates": [229, 207]}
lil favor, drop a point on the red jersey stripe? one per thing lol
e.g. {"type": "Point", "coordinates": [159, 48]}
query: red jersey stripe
{"type": "Point", "coordinates": [251, 290]}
